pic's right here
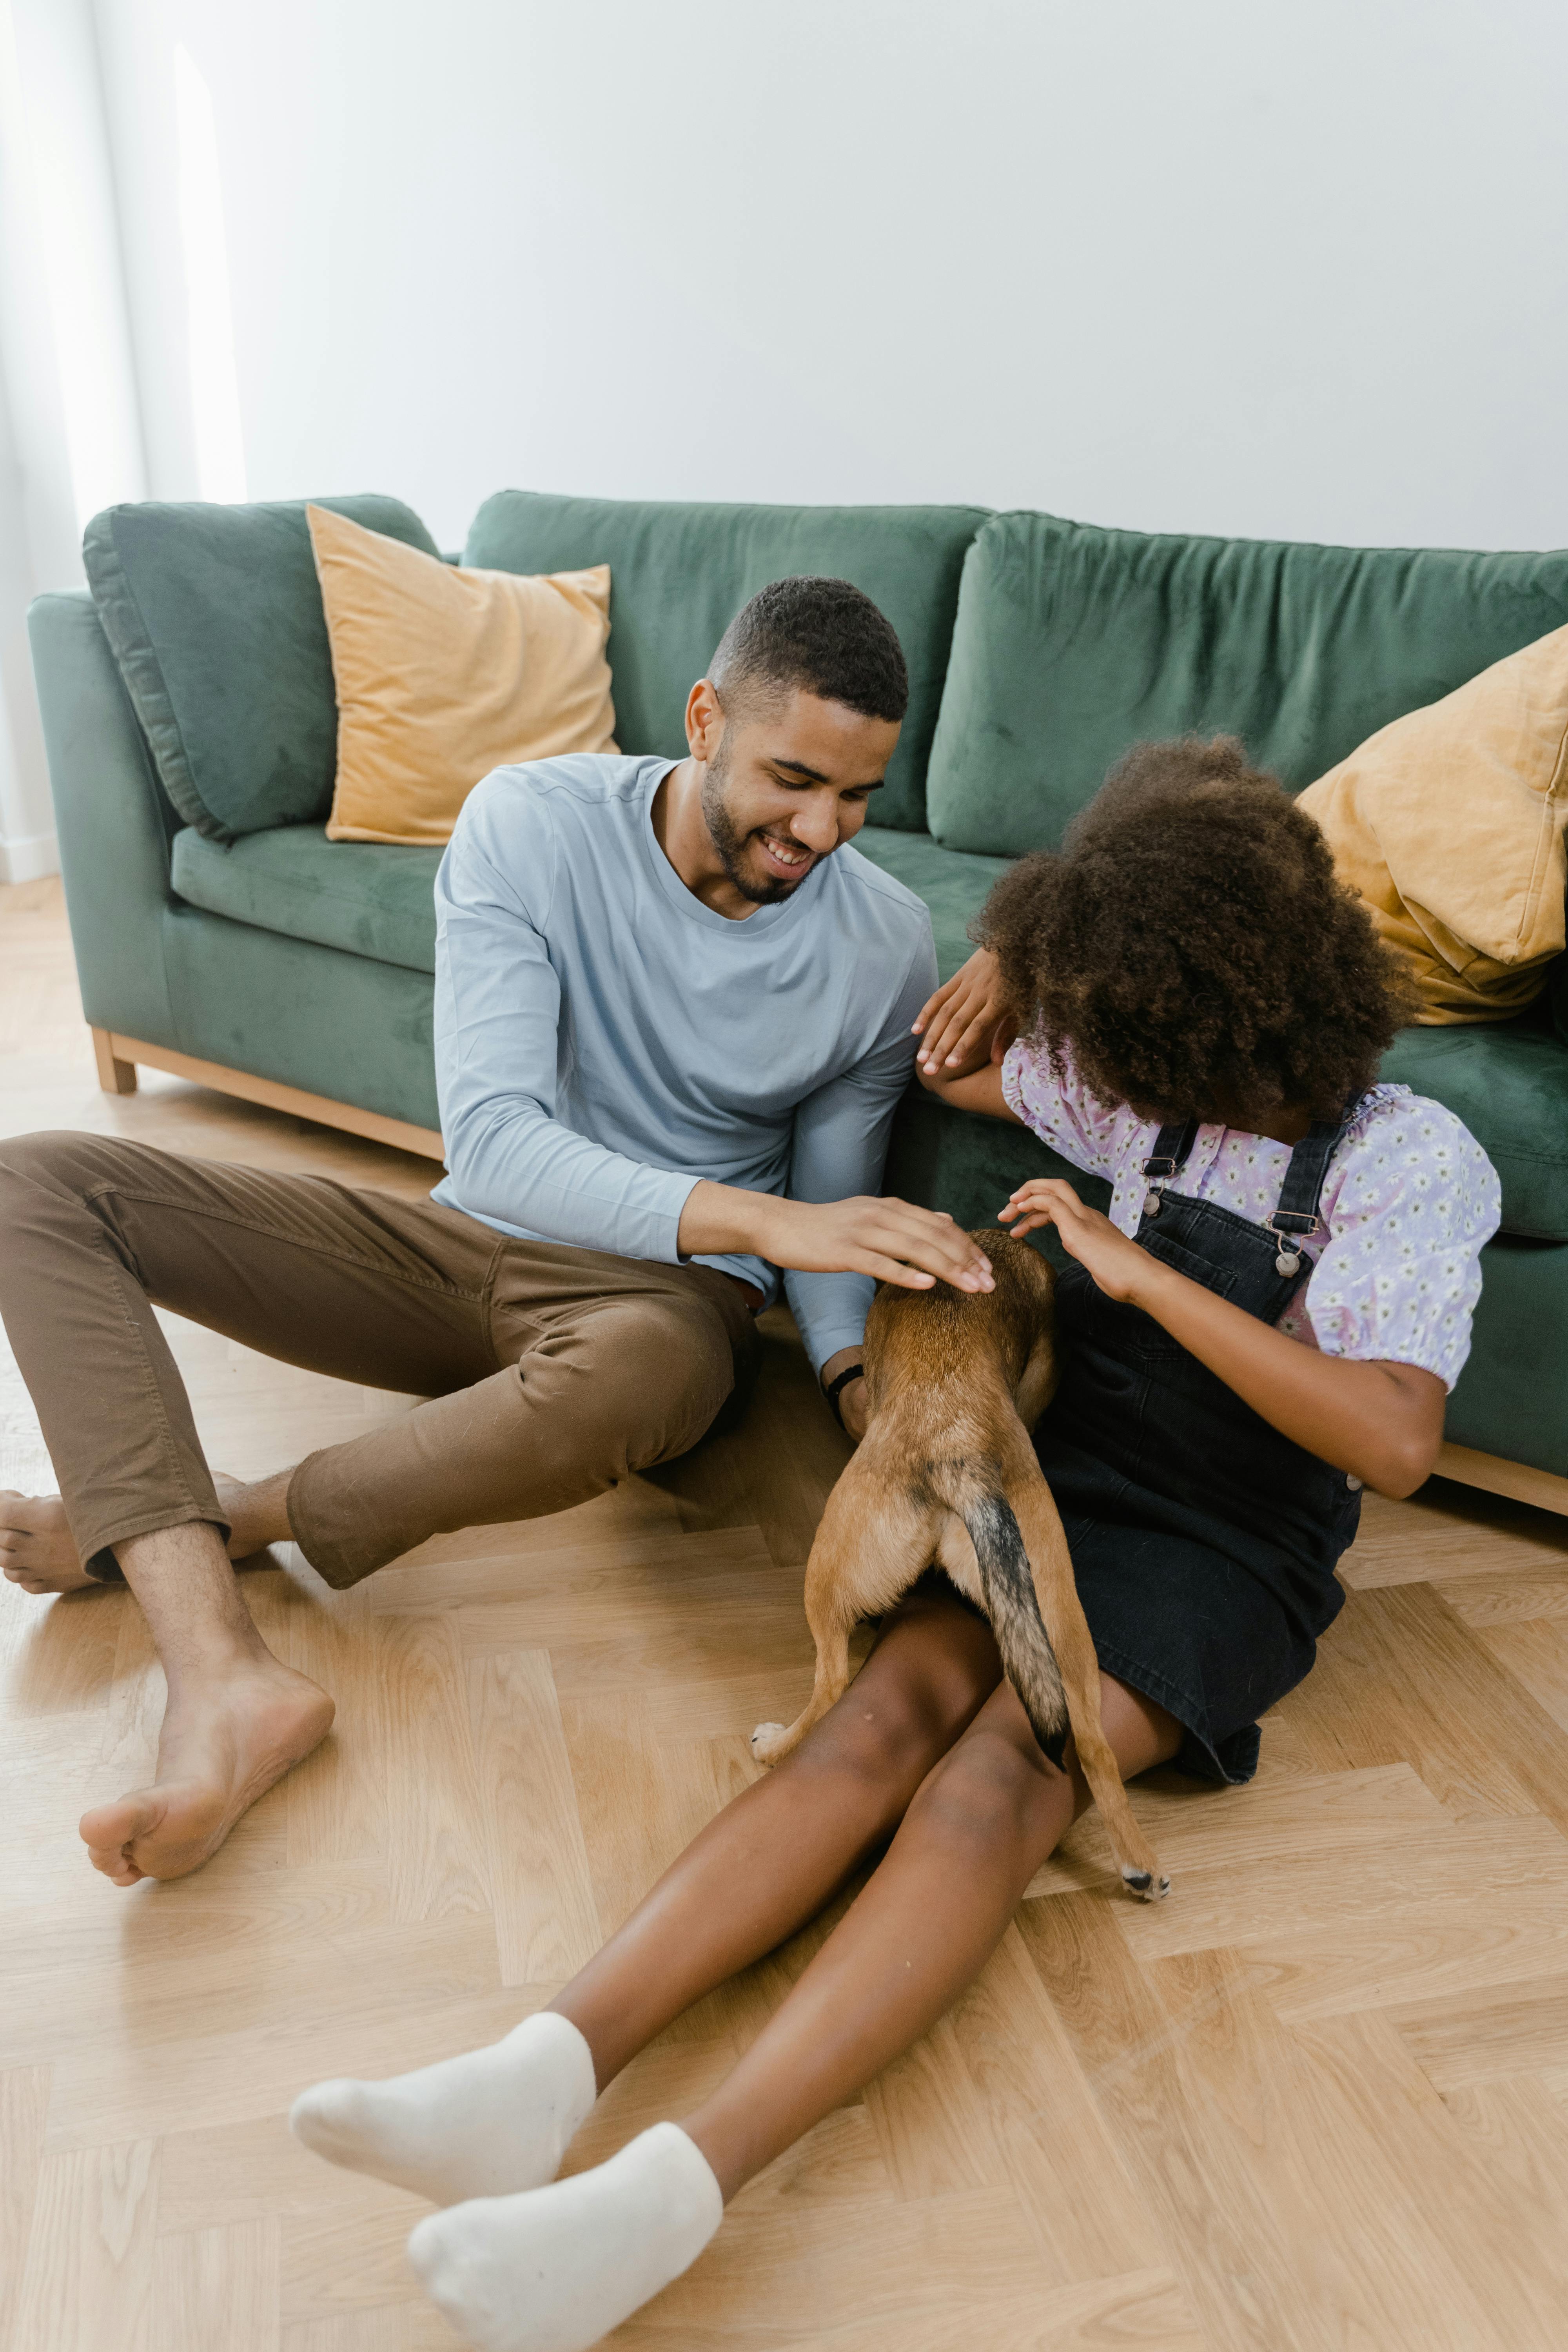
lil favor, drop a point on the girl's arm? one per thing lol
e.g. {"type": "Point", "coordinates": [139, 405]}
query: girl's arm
{"type": "Point", "coordinates": [1382, 1423]}
{"type": "Point", "coordinates": [981, 1090]}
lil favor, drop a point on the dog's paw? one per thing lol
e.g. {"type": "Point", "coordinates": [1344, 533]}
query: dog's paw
{"type": "Point", "coordinates": [1146, 1885]}
{"type": "Point", "coordinates": [765, 1741]}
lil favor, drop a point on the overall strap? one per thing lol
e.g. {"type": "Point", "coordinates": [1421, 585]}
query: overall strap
{"type": "Point", "coordinates": [1169, 1157]}
{"type": "Point", "coordinates": [1296, 1214]}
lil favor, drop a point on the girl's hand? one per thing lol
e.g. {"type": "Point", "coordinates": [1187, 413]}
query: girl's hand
{"type": "Point", "coordinates": [967, 1022]}
{"type": "Point", "coordinates": [1117, 1265]}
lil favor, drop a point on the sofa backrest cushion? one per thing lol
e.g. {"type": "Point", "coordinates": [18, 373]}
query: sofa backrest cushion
{"type": "Point", "coordinates": [679, 572]}
{"type": "Point", "coordinates": [214, 616]}
{"type": "Point", "coordinates": [1072, 644]}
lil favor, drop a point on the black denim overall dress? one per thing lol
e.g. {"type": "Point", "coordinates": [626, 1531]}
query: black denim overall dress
{"type": "Point", "coordinates": [1204, 1541]}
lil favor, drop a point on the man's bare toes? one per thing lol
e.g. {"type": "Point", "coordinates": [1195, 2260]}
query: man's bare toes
{"type": "Point", "coordinates": [222, 1745]}
{"type": "Point", "coordinates": [109, 1829]}
{"type": "Point", "coordinates": [35, 1547]}
{"type": "Point", "coordinates": [159, 1833]}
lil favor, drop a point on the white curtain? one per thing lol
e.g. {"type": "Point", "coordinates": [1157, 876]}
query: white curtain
{"type": "Point", "coordinates": [71, 433]}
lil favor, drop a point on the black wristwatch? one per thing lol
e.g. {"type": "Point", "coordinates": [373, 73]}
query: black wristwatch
{"type": "Point", "coordinates": [842, 1381]}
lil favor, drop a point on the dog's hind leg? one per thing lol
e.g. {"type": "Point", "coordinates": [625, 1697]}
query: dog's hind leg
{"type": "Point", "coordinates": [874, 1540]}
{"type": "Point", "coordinates": [1061, 1612]}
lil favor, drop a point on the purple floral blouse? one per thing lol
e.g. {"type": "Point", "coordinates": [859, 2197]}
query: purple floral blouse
{"type": "Point", "coordinates": [1409, 1197]}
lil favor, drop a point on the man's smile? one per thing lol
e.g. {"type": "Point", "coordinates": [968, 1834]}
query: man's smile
{"type": "Point", "coordinates": [784, 857]}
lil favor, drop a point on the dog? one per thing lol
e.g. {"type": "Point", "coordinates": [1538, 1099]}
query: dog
{"type": "Point", "coordinates": [946, 1471]}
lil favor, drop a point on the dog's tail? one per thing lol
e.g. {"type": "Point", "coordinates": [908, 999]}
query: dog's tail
{"type": "Point", "coordinates": [1008, 1586]}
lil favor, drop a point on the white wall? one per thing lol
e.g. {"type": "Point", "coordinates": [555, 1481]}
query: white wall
{"type": "Point", "coordinates": [1237, 265]}
{"type": "Point", "coordinates": [70, 431]}
{"type": "Point", "coordinates": [1232, 266]}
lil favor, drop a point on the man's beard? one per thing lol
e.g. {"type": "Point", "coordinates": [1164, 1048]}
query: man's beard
{"type": "Point", "coordinates": [730, 842]}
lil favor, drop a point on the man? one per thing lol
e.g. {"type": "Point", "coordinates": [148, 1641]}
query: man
{"type": "Point", "coordinates": [672, 1020]}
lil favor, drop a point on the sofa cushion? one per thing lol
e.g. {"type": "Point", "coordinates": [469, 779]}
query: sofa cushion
{"type": "Point", "coordinates": [372, 899]}
{"type": "Point", "coordinates": [442, 675]}
{"type": "Point", "coordinates": [1449, 822]}
{"type": "Point", "coordinates": [344, 1026]}
{"type": "Point", "coordinates": [1509, 1083]}
{"type": "Point", "coordinates": [680, 573]}
{"type": "Point", "coordinates": [1072, 644]}
{"type": "Point", "coordinates": [215, 620]}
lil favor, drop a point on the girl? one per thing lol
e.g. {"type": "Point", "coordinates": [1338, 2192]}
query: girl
{"type": "Point", "coordinates": [1269, 1317]}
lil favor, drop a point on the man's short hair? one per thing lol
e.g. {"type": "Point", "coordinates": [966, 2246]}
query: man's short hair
{"type": "Point", "coordinates": [822, 636]}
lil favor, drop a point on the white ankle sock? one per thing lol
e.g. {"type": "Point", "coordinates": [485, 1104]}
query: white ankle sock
{"type": "Point", "coordinates": [482, 2125]}
{"type": "Point", "coordinates": [555, 2270]}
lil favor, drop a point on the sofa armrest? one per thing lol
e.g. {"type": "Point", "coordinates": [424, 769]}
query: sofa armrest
{"type": "Point", "coordinates": [114, 822]}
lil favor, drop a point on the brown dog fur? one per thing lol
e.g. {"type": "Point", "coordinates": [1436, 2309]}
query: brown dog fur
{"type": "Point", "coordinates": [957, 1380]}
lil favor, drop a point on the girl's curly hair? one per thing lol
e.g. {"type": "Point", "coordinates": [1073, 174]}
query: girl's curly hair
{"type": "Point", "coordinates": [1191, 944]}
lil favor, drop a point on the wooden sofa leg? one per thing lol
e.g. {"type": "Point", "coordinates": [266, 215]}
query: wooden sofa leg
{"type": "Point", "coordinates": [115, 1076]}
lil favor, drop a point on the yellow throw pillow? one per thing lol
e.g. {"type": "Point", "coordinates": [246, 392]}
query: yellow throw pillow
{"type": "Point", "coordinates": [443, 674]}
{"type": "Point", "coordinates": [1450, 823]}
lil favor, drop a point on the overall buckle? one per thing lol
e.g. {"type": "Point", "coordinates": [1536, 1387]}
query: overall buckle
{"type": "Point", "coordinates": [1157, 1173]}
{"type": "Point", "coordinates": [1288, 1258]}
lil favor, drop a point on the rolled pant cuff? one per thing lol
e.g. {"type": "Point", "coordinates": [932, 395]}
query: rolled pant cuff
{"type": "Point", "coordinates": [94, 1545]}
{"type": "Point", "coordinates": [336, 1563]}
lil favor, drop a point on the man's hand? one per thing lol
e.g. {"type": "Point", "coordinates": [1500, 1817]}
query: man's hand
{"type": "Point", "coordinates": [1118, 1266]}
{"type": "Point", "coordinates": [967, 1022]}
{"type": "Point", "coordinates": [854, 1405]}
{"type": "Point", "coordinates": [891, 1240]}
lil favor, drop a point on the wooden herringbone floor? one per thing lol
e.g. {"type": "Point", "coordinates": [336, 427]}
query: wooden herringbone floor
{"type": "Point", "coordinates": [1318, 2100]}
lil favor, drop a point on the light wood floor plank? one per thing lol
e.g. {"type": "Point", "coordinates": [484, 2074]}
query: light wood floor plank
{"type": "Point", "coordinates": [844, 2264]}
{"type": "Point", "coordinates": [1477, 2037]}
{"type": "Point", "coordinates": [219, 2176]}
{"type": "Point", "coordinates": [1319, 2165]}
{"type": "Point", "coordinates": [1145, 2313]}
{"type": "Point", "coordinates": [1509, 1870]}
{"type": "Point", "coordinates": [1534, 1653]}
{"type": "Point", "coordinates": [1476, 2154]}
{"type": "Point", "coordinates": [1400, 1677]}
{"type": "Point", "coordinates": [217, 2286]}
{"type": "Point", "coordinates": [435, 1843]}
{"type": "Point", "coordinates": [24, 2104]}
{"type": "Point", "coordinates": [87, 2282]}
{"type": "Point", "coordinates": [1451, 1535]}
{"type": "Point", "coordinates": [335, 1802]}
{"type": "Point", "coordinates": [937, 2132]}
{"type": "Point", "coordinates": [1217, 2226]}
{"type": "Point", "coordinates": [1194, 1828]}
{"type": "Point", "coordinates": [546, 1923]}
{"type": "Point", "coordinates": [1062, 2160]}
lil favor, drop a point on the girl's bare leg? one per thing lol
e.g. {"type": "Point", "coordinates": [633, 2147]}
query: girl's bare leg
{"type": "Point", "coordinates": [922, 1929]}
{"type": "Point", "coordinates": [560, 2266]}
{"type": "Point", "coordinates": [500, 2119]}
{"type": "Point", "coordinates": [782, 1849]}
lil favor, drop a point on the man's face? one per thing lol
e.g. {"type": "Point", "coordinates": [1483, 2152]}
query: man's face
{"type": "Point", "coordinates": [784, 784]}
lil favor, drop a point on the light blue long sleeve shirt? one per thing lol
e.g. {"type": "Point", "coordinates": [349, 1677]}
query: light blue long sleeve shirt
{"type": "Point", "coordinates": [603, 1040]}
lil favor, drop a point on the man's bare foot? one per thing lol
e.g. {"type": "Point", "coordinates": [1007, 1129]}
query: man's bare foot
{"type": "Point", "coordinates": [37, 1551]}
{"type": "Point", "coordinates": [225, 1741]}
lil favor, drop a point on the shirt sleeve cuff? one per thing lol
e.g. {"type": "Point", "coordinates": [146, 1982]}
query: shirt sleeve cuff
{"type": "Point", "coordinates": [664, 1209]}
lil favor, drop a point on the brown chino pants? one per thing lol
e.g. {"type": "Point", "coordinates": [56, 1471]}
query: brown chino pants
{"type": "Point", "coordinates": [553, 1372]}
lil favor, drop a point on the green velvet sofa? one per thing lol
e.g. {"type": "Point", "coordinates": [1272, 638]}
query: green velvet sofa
{"type": "Point", "coordinates": [188, 711]}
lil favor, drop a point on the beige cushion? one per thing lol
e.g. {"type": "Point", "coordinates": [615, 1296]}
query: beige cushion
{"type": "Point", "coordinates": [443, 674]}
{"type": "Point", "coordinates": [1450, 823]}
